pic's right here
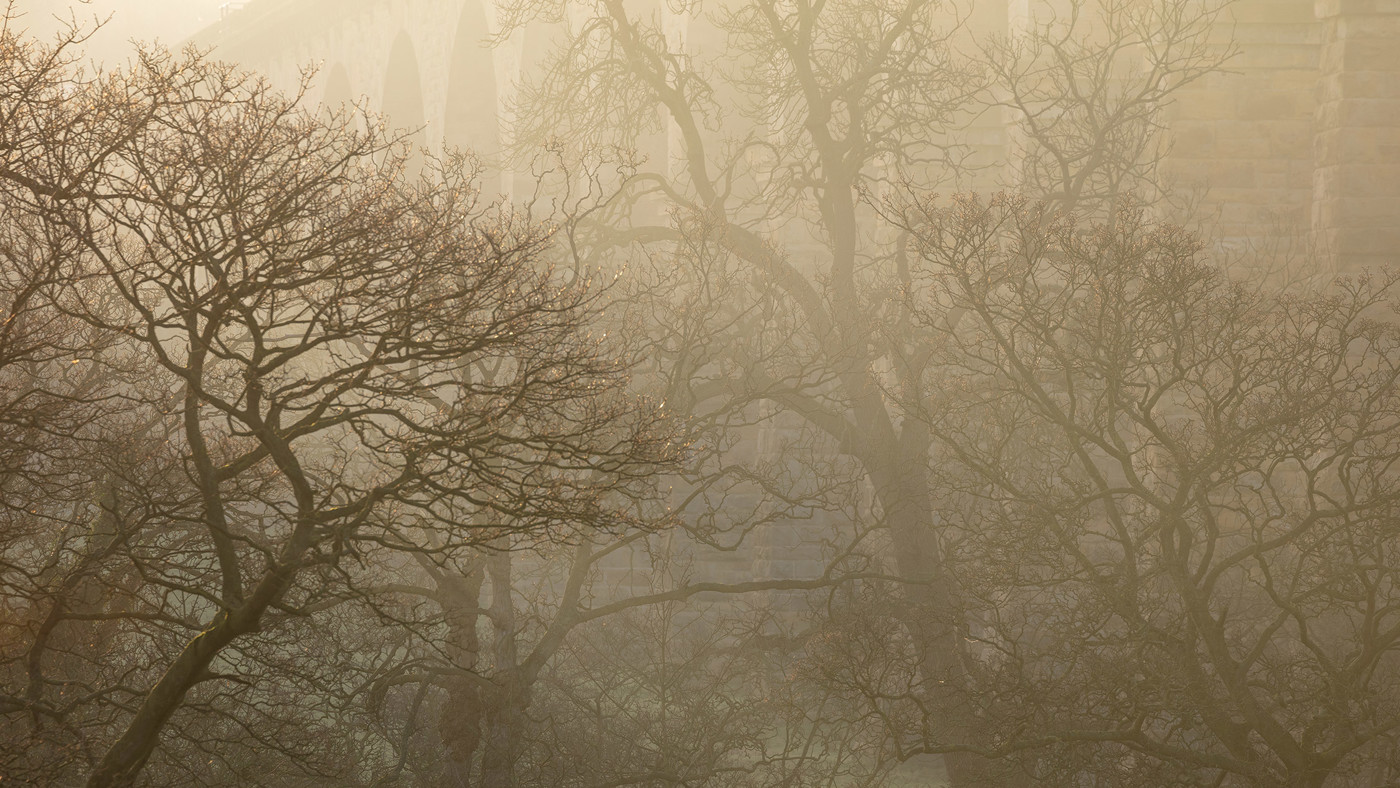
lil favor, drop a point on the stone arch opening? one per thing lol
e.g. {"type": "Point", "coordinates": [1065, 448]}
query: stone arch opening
{"type": "Point", "coordinates": [472, 121]}
{"type": "Point", "coordinates": [338, 91]}
{"type": "Point", "coordinates": [537, 44]}
{"type": "Point", "coordinates": [402, 103]}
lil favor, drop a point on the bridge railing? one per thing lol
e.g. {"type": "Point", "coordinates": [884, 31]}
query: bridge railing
{"type": "Point", "coordinates": [228, 9]}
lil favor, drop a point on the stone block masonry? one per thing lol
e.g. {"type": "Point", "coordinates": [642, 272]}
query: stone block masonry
{"type": "Point", "coordinates": [1356, 183]}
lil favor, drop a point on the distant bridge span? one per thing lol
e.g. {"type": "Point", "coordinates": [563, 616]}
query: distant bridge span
{"type": "Point", "coordinates": [424, 63]}
{"type": "Point", "coordinates": [1301, 138]}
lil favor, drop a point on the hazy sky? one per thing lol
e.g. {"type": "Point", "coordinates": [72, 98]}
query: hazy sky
{"type": "Point", "coordinates": [170, 21]}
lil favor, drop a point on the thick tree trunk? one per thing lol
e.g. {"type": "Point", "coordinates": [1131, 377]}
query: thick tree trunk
{"type": "Point", "coordinates": [1310, 778]}
{"type": "Point", "coordinates": [459, 724]}
{"type": "Point", "coordinates": [935, 613]}
{"type": "Point", "coordinates": [504, 728]}
{"type": "Point", "coordinates": [897, 459]}
{"type": "Point", "coordinates": [123, 761]}
{"type": "Point", "coordinates": [506, 715]}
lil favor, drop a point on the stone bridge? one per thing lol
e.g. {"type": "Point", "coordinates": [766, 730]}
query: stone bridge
{"type": "Point", "coordinates": [1300, 140]}
{"type": "Point", "coordinates": [1299, 143]}
{"type": "Point", "coordinates": [424, 63]}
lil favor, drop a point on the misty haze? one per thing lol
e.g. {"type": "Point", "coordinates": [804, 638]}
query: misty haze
{"type": "Point", "coordinates": [740, 394]}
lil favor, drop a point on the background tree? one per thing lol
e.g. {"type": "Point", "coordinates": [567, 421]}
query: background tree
{"type": "Point", "coordinates": [505, 641]}
{"type": "Point", "coordinates": [1179, 501]}
{"type": "Point", "coordinates": [773, 142]}
{"type": "Point", "coordinates": [1087, 83]}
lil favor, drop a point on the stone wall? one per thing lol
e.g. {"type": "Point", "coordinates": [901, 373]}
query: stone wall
{"type": "Point", "coordinates": [1356, 185]}
{"type": "Point", "coordinates": [1243, 139]}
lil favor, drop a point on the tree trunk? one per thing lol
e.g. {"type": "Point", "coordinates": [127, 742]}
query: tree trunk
{"type": "Point", "coordinates": [1312, 778]}
{"type": "Point", "coordinates": [504, 727]}
{"type": "Point", "coordinates": [506, 714]}
{"type": "Point", "coordinates": [459, 723]}
{"type": "Point", "coordinates": [935, 615]}
{"type": "Point", "coordinates": [123, 761]}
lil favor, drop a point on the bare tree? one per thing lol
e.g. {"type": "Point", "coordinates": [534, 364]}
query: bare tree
{"type": "Point", "coordinates": [770, 153]}
{"type": "Point", "coordinates": [1177, 537]}
{"type": "Point", "coordinates": [61, 418]}
{"type": "Point", "coordinates": [1086, 84]}
{"type": "Point", "coordinates": [350, 403]}
{"type": "Point", "coordinates": [338, 364]}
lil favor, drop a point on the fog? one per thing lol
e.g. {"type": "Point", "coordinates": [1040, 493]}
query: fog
{"type": "Point", "coordinates": [747, 394]}
{"type": "Point", "coordinates": [168, 22]}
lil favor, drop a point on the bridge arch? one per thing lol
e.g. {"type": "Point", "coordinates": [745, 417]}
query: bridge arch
{"type": "Point", "coordinates": [402, 102]}
{"type": "Point", "coordinates": [472, 120]}
{"type": "Point", "coordinates": [338, 90]}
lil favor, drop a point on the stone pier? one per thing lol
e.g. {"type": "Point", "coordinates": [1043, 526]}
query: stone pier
{"type": "Point", "coordinates": [1356, 183]}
